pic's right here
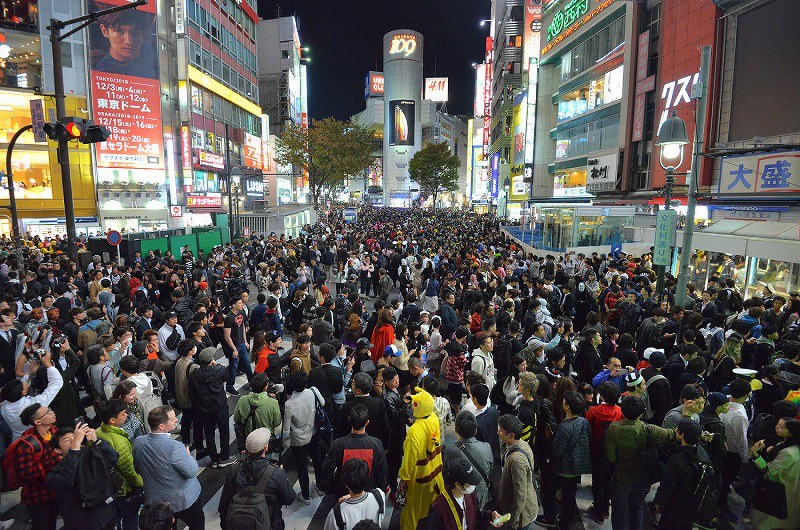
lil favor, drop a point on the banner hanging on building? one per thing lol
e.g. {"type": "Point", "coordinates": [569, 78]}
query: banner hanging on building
{"type": "Point", "coordinates": [125, 88]}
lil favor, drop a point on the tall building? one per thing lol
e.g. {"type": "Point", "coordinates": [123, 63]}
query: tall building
{"type": "Point", "coordinates": [507, 82]}
{"type": "Point", "coordinates": [405, 119]}
{"type": "Point", "coordinates": [220, 119]}
{"type": "Point", "coordinates": [283, 90]}
{"type": "Point", "coordinates": [25, 75]}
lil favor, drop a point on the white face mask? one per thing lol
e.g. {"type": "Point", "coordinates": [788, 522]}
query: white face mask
{"type": "Point", "coordinates": [469, 489]}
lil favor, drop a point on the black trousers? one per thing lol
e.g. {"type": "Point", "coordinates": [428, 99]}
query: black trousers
{"type": "Point", "coordinates": [731, 463]}
{"type": "Point", "coordinates": [569, 506]}
{"type": "Point", "coordinates": [601, 487]}
{"type": "Point", "coordinates": [192, 428]}
{"type": "Point", "coordinates": [43, 515]}
{"type": "Point", "coordinates": [211, 422]}
{"type": "Point", "coordinates": [300, 455]}
{"type": "Point", "coordinates": [193, 516]}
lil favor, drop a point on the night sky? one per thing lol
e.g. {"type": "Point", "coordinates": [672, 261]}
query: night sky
{"type": "Point", "coordinates": [345, 39]}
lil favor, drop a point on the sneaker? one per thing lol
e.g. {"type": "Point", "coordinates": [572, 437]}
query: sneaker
{"type": "Point", "coordinates": [596, 516]}
{"type": "Point", "coordinates": [302, 499]}
{"type": "Point", "coordinates": [214, 464]}
{"type": "Point", "coordinates": [545, 522]}
{"type": "Point", "coordinates": [233, 392]}
{"type": "Point", "coordinates": [8, 523]}
{"type": "Point", "coordinates": [226, 462]}
{"type": "Point", "coordinates": [318, 491]}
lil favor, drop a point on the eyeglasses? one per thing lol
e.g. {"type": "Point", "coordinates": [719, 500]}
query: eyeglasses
{"type": "Point", "coordinates": [49, 410]}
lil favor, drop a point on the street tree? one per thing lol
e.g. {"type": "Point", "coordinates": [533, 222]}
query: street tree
{"type": "Point", "coordinates": [329, 150]}
{"type": "Point", "coordinates": [435, 169]}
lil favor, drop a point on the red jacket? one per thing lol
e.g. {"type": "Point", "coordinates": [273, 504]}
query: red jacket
{"type": "Point", "coordinates": [600, 416]}
{"type": "Point", "coordinates": [33, 467]}
{"type": "Point", "coordinates": [381, 338]}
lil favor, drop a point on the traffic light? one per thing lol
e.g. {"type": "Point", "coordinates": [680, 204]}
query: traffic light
{"type": "Point", "coordinates": [81, 129]}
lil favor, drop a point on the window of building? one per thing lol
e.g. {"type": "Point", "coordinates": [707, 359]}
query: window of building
{"type": "Point", "coordinates": [198, 139]}
{"type": "Point", "coordinates": [66, 54]}
{"type": "Point", "coordinates": [587, 138]}
{"type": "Point", "coordinates": [226, 74]}
{"type": "Point", "coordinates": [652, 20]}
{"type": "Point", "coordinates": [586, 54]}
{"type": "Point", "coordinates": [206, 65]}
{"type": "Point", "coordinates": [517, 14]}
{"type": "Point", "coordinates": [515, 41]}
{"type": "Point", "coordinates": [600, 91]}
{"type": "Point", "coordinates": [284, 54]}
{"type": "Point", "coordinates": [209, 141]}
{"type": "Point", "coordinates": [217, 65]}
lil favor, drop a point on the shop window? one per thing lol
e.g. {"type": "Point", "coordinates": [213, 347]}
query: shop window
{"type": "Point", "coordinates": [198, 139]}
{"type": "Point", "coordinates": [197, 99]}
{"type": "Point", "coordinates": [769, 273]}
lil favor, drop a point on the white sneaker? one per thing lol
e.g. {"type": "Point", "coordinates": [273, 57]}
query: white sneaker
{"type": "Point", "coordinates": [301, 499]}
{"type": "Point", "coordinates": [5, 525]}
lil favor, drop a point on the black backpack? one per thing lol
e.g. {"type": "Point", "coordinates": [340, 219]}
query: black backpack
{"type": "Point", "coordinates": [248, 509]}
{"type": "Point", "coordinates": [705, 496]}
{"type": "Point", "coordinates": [337, 509]}
{"type": "Point", "coordinates": [97, 479]}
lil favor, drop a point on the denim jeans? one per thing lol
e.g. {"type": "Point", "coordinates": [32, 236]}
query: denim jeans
{"type": "Point", "coordinates": [235, 362]}
{"type": "Point", "coordinates": [627, 505]}
{"type": "Point", "coordinates": [127, 514]}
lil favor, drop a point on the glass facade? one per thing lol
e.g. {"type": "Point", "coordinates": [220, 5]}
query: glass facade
{"type": "Point", "coordinates": [752, 274]}
{"type": "Point", "coordinates": [30, 161]}
{"type": "Point", "coordinates": [595, 135]}
{"type": "Point", "coordinates": [559, 228]}
{"type": "Point", "coordinates": [588, 53]}
{"type": "Point", "coordinates": [602, 90]}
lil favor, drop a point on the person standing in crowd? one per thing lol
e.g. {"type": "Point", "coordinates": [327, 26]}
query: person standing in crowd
{"type": "Point", "coordinates": [300, 433]}
{"type": "Point", "coordinates": [571, 452]}
{"type": "Point", "coordinates": [517, 495]}
{"type": "Point", "coordinates": [780, 463]}
{"type": "Point", "coordinates": [207, 393]}
{"type": "Point", "coordinates": [168, 471]}
{"type": "Point", "coordinates": [624, 442]}
{"type": "Point", "coordinates": [235, 346]}
{"type": "Point", "coordinates": [422, 461]}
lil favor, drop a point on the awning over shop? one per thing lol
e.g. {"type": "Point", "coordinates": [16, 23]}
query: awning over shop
{"type": "Point", "coordinates": [749, 228]}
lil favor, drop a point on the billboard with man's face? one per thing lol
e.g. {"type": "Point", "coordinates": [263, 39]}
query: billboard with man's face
{"type": "Point", "coordinates": [125, 87]}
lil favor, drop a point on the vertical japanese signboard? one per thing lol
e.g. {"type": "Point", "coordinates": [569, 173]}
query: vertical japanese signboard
{"type": "Point", "coordinates": [665, 237]}
{"type": "Point", "coordinates": [125, 87]}
{"type": "Point", "coordinates": [487, 98]}
{"type": "Point", "coordinates": [533, 29]}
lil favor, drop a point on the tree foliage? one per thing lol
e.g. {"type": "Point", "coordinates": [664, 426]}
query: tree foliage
{"type": "Point", "coordinates": [435, 169]}
{"type": "Point", "coordinates": [329, 150]}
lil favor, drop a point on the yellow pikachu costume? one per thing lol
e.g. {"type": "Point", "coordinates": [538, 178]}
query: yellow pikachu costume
{"type": "Point", "coordinates": [421, 469]}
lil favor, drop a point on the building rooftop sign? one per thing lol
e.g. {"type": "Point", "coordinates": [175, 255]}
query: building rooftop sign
{"type": "Point", "coordinates": [575, 14]}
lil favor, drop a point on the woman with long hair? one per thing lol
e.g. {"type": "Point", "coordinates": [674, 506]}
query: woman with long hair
{"type": "Point", "coordinates": [780, 463]}
{"type": "Point", "coordinates": [259, 352]}
{"type": "Point", "coordinates": [354, 326]}
{"type": "Point", "coordinates": [135, 424]}
{"type": "Point", "coordinates": [216, 321]}
{"type": "Point", "coordinates": [383, 334]}
{"type": "Point", "coordinates": [295, 316]}
{"type": "Point", "coordinates": [724, 362]}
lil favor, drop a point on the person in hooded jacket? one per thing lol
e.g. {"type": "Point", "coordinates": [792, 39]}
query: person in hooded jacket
{"type": "Point", "coordinates": [587, 361]}
{"type": "Point", "coordinates": [682, 469]}
{"type": "Point", "coordinates": [207, 393]}
{"type": "Point", "coordinates": [249, 471]}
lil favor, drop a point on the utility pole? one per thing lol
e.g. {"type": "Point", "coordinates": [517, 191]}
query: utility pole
{"type": "Point", "coordinates": [56, 37]}
{"type": "Point", "coordinates": [701, 94]}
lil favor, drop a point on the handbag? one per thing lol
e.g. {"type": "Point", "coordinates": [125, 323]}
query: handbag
{"type": "Point", "coordinates": [770, 498]}
{"type": "Point", "coordinates": [322, 421]}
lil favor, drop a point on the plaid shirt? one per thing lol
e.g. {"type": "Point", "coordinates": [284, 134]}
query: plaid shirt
{"type": "Point", "coordinates": [33, 470]}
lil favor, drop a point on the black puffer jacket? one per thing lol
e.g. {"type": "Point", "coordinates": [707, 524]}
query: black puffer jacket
{"type": "Point", "coordinates": [207, 388]}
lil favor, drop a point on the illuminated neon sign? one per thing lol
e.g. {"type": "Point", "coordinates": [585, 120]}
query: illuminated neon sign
{"type": "Point", "coordinates": [566, 17]}
{"type": "Point", "coordinates": [556, 34]}
{"type": "Point", "coordinates": [405, 44]}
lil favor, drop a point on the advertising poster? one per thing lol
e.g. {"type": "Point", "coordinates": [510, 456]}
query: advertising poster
{"type": "Point", "coordinates": [401, 122]}
{"type": "Point", "coordinates": [533, 28]}
{"type": "Point", "coordinates": [125, 88]}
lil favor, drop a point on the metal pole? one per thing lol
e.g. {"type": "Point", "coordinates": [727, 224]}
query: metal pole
{"type": "Point", "coordinates": [662, 269]}
{"type": "Point", "coordinates": [11, 193]}
{"type": "Point", "coordinates": [697, 158]}
{"type": "Point", "coordinates": [63, 144]}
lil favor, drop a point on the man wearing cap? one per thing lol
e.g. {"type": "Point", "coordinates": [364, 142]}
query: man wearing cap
{"type": "Point", "coordinates": [682, 469]}
{"type": "Point", "coordinates": [256, 469]}
{"type": "Point", "coordinates": [457, 506]}
{"type": "Point", "coordinates": [659, 390]}
{"type": "Point", "coordinates": [207, 393]}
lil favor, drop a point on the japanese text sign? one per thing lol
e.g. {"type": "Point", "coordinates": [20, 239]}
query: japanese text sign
{"type": "Point", "coordinates": [762, 173]}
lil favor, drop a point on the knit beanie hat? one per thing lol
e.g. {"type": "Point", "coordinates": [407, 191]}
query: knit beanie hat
{"type": "Point", "coordinates": [421, 403]}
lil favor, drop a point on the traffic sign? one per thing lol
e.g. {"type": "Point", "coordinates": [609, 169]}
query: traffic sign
{"type": "Point", "coordinates": [665, 237]}
{"type": "Point", "coordinates": [37, 120]}
{"type": "Point", "coordinates": [114, 238]}
{"type": "Point", "coordinates": [246, 231]}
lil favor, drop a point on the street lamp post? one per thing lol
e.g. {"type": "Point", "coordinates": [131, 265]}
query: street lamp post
{"type": "Point", "coordinates": [699, 92]}
{"type": "Point", "coordinates": [671, 139]}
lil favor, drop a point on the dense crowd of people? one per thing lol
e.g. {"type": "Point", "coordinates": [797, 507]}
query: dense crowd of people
{"type": "Point", "coordinates": [414, 357]}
